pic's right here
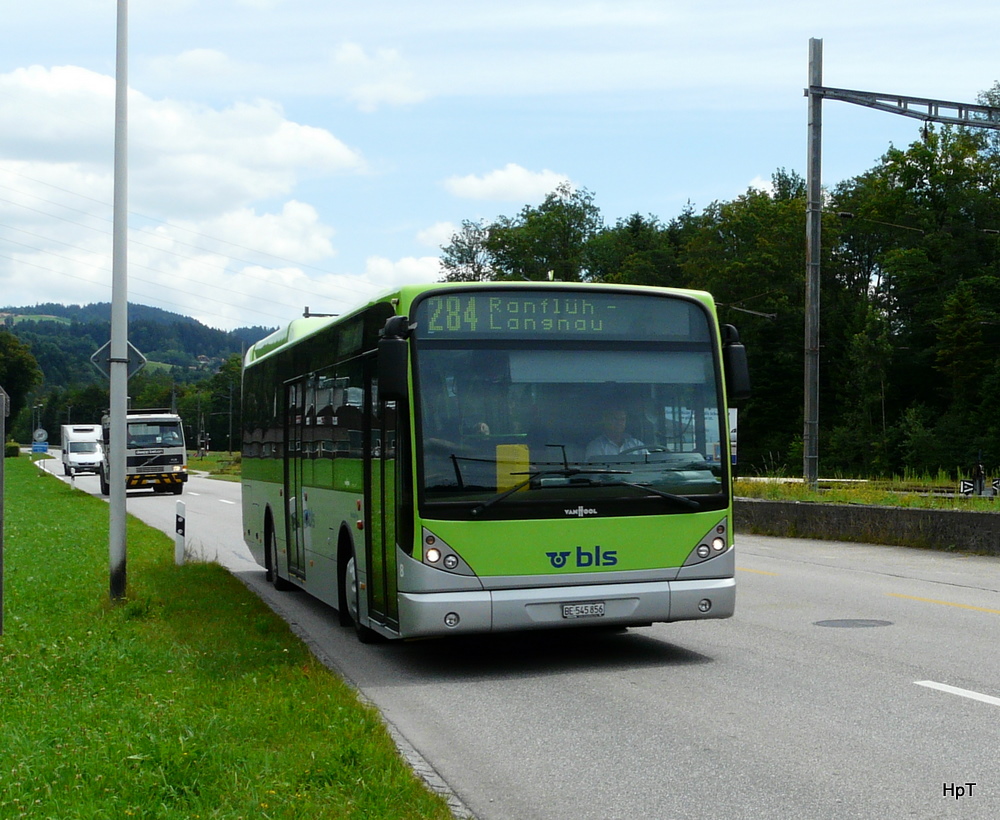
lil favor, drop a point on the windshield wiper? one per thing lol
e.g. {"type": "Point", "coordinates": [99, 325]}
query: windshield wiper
{"type": "Point", "coordinates": [566, 472]}
{"type": "Point", "coordinates": [683, 500]}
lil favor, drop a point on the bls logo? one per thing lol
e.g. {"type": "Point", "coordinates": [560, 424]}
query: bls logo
{"type": "Point", "coordinates": [584, 558]}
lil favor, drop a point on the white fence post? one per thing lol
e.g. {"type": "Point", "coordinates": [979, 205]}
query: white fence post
{"type": "Point", "coordinates": [179, 537]}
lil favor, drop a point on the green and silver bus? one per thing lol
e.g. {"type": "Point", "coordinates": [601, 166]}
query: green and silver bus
{"type": "Point", "coordinates": [481, 457]}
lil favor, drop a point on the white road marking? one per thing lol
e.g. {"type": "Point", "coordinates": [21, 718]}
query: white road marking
{"type": "Point", "coordinates": [226, 501]}
{"type": "Point", "coordinates": [954, 690]}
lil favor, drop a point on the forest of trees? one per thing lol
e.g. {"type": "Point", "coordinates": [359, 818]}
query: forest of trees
{"type": "Point", "coordinates": [910, 299]}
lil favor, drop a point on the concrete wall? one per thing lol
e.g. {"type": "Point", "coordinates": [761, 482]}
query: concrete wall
{"type": "Point", "coordinates": [977, 532]}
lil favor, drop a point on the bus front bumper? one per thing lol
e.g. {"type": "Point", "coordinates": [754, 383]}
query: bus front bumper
{"type": "Point", "coordinates": [638, 604]}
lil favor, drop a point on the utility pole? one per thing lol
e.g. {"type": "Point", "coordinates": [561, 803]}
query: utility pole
{"type": "Point", "coordinates": [814, 221]}
{"type": "Point", "coordinates": [920, 108]}
{"type": "Point", "coordinates": [118, 360]}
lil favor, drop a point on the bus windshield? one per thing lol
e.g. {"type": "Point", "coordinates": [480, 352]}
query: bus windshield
{"type": "Point", "coordinates": [621, 423]}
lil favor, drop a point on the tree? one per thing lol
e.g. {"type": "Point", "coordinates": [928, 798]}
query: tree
{"type": "Point", "coordinates": [960, 354]}
{"type": "Point", "coordinates": [921, 243]}
{"type": "Point", "coordinates": [547, 240]}
{"type": "Point", "coordinates": [636, 251]}
{"type": "Point", "coordinates": [749, 253]}
{"type": "Point", "coordinates": [213, 407]}
{"type": "Point", "coordinates": [19, 371]}
{"type": "Point", "coordinates": [466, 258]}
{"type": "Point", "coordinates": [861, 441]}
{"type": "Point", "coordinates": [538, 242]}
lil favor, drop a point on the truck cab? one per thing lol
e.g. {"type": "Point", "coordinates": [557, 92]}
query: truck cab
{"type": "Point", "coordinates": [155, 453]}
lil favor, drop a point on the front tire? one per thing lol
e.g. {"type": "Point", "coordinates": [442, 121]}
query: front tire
{"type": "Point", "coordinates": [105, 487]}
{"type": "Point", "coordinates": [271, 562]}
{"type": "Point", "coordinates": [352, 591]}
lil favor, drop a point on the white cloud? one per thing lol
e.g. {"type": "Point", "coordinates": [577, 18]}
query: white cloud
{"type": "Point", "coordinates": [382, 273]}
{"type": "Point", "coordinates": [194, 63]}
{"type": "Point", "coordinates": [61, 114]}
{"type": "Point", "coordinates": [438, 234]}
{"type": "Point", "coordinates": [239, 154]}
{"type": "Point", "coordinates": [367, 78]}
{"type": "Point", "coordinates": [379, 78]}
{"type": "Point", "coordinates": [197, 178]}
{"type": "Point", "coordinates": [512, 183]}
{"type": "Point", "coordinates": [183, 158]}
{"type": "Point", "coordinates": [293, 235]}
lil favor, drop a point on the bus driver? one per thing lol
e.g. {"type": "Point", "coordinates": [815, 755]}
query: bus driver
{"type": "Point", "coordinates": [614, 440]}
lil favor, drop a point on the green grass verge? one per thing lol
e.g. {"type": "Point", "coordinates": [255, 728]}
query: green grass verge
{"type": "Point", "coordinates": [219, 464]}
{"type": "Point", "coordinates": [882, 493]}
{"type": "Point", "coordinates": [189, 699]}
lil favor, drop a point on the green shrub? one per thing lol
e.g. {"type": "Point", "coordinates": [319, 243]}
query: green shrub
{"type": "Point", "coordinates": [11, 449]}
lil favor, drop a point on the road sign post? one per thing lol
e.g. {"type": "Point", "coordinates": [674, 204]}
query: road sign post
{"type": "Point", "coordinates": [102, 360]}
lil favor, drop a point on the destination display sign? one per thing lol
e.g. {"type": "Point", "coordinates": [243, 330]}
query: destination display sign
{"type": "Point", "coordinates": [547, 314]}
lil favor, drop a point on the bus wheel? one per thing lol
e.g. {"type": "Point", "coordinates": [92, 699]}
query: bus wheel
{"type": "Point", "coordinates": [105, 487]}
{"type": "Point", "coordinates": [279, 583]}
{"type": "Point", "coordinates": [351, 587]}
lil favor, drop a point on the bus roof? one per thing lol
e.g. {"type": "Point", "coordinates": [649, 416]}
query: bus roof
{"type": "Point", "coordinates": [402, 298]}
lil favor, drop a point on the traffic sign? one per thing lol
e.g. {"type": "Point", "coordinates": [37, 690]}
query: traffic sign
{"type": "Point", "coordinates": [102, 360]}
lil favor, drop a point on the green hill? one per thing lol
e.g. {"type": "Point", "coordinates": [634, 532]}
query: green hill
{"type": "Point", "coordinates": [63, 337]}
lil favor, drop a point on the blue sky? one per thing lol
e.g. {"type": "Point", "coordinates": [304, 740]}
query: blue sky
{"type": "Point", "coordinates": [285, 153]}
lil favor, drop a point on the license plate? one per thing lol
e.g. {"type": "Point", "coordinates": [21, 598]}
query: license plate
{"type": "Point", "coordinates": [590, 609]}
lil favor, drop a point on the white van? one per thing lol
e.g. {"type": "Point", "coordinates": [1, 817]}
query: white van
{"type": "Point", "coordinates": [82, 451]}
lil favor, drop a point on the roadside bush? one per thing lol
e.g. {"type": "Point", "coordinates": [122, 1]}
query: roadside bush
{"type": "Point", "coordinates": [11, 449]}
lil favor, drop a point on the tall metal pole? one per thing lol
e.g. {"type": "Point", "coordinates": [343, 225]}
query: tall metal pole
{"type": "Point", "coordinates": [814, 211]}
{"type": "Point", "coordinates": [118, 360]}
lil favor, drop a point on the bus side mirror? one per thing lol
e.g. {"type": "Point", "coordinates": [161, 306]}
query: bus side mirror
{"type": "Point", "coordinates": [393, 358]}
{"type": "Point", "coordinates": [734, 364]}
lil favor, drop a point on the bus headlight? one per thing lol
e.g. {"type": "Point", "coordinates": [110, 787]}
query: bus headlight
{"type": "Point", "coordinates": [713, 544]}
{"type": "Point", "coordinates": [437, 553]}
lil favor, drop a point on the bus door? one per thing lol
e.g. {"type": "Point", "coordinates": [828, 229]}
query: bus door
{"type": "Point", "coordinates": [295, 456]}
{"type": "Point", "coordinates": [380, 503]}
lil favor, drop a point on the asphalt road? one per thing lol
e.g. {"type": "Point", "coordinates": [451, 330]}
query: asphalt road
{"type": "Point", "coordinates": [854, 682]}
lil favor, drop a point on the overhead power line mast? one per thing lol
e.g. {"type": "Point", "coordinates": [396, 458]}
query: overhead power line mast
{"type": "Point", "coordinates": [919, 108]}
